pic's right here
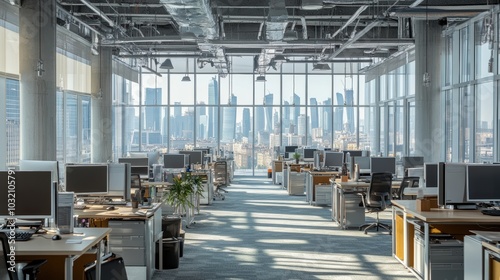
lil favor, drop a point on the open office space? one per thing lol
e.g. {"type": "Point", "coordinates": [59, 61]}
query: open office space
{"type": "Point", "coordinates": [316, 116]}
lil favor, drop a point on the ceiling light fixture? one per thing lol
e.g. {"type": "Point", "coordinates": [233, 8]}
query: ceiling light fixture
{"type": "Point", "coordinates": [167, 64]}
{"type": "Point", "coordinates": [312, 4]}
{"type": "Point", "coordinates": [186, 77]}
{"type": "Point", "coordinates": [321, 67]}
{"type": "Point", "coordinates": [261, 78]}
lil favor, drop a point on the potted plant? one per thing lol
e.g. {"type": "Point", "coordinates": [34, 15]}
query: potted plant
{"type": "Point", "coordinates": [296, 156]}
{"type": "Point", "coordinates": [182, 190]}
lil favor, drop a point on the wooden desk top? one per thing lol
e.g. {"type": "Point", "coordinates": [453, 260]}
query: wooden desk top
{"type": "Point", "coordinates": [445, 215]}
{"type": "Point", "coordinates": [351, 184]}
{"type": "Point", "coordinates": [44, 245]}
{"type": "Point", "coordinates": [120, 212]}
{"type": "Point", "coordinates": [323, 173]}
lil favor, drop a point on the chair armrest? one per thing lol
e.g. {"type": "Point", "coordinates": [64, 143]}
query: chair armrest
{"type": "Point", "coordinates": [382, 200]}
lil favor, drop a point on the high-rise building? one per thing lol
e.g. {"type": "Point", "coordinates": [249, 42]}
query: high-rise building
{"type": "Point", "coordinates": [339, 112]}
{"type": "Point", "coordinates": [152, 120]}
{"type": "Point", "coordinates": [213, 99]}
{"type": "Point", "coordinates": [302, 125]}
{"type": "Point", "coordinates": [246, 122]}
{"type": "Point", "coordinates": [285, 123]}
{"type": "Point", "coordinates": [268, 101]}
{"type": "Point", "coordinates": [296, 109]}
{"type": "Point", "coordinates": [260, 121]}
{"type": "Point", "coordinates": [229, 120]}
{"type": "Point", "coordinates": [314, 112]}
{"type": "Point", "coordinates": [349, 100]}
{"type": "Point", "coordinates": [327, 115]}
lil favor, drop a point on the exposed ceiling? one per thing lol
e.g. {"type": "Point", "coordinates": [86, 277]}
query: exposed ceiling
{"type": "Point", "coordinates": [212, 30]}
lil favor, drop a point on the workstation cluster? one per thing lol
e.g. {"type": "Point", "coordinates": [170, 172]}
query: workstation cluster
{"type": "Point", "coordinates": [123, 199]}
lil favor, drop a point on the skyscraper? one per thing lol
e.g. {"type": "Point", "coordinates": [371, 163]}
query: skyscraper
{"type": "Point", "coordinates": [268, 101]}
{"type": "Point", "coordinates": [260, 121]}
{"type": "Point", "coordinates": [229, 120]}
{"type": "Point", "coordinates": [339, 112]}
{"type": "Point", "coordinates": [327, 115]}
{"type": "Point", "coordinates": [286, 117]}
{"type": "Point", "coordinates": [246, 122]}
{"type": "Point", "coordinates": [349, 98]}
{"type": "Point", "coordinates": [296, 109]}
{"type": "Point", "coordinates": [301, 127]}
{"type": "Point", "coordinates": [152, 113]}
{"type": "Point", "coordinates": [213, 99]}
{"type": "Point", "coordinates": [314, 112]}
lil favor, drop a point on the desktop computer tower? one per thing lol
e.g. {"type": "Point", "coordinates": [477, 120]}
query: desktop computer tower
{"type": "Point", "coordinates": [64, 217]}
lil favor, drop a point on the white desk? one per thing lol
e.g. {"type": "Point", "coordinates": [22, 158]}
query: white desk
{"type": "Point", "coordinates": [43, 245]}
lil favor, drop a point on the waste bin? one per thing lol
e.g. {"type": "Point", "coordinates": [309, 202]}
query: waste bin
{"type": "Point", "coordinates": [269, 173]}
{"type": "Point", "coordinates": [170, 253]}
{"type": "Point", "coordinates": [171, 226]}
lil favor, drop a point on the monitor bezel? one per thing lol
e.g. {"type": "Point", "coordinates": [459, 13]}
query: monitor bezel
{"type": "Point", "coordinates": [467, 182]}
{"type": "Point", "coordinates": [77, 193]}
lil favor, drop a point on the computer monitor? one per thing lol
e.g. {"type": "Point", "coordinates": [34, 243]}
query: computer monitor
{"type": "Point", "coordinates": [91, 179]}
{"type": "Point", "coordinates": [41, 165]}
{"type": "Point", "coordinates": [455, 183]}
{"type": "Point", "coordinates": [205, 152]}
{"type": "Point", "coordinates": [290, 149]}
{"type": "Point", "coordinates": [431, 175]}
{"type": "Point", "coordinates": [33, 192]}
{"type": "Point", "coordinates": [175, 161]}
{"type": "Point", "coordinates": [153, 157]}
{"type": "Point", "coordinates": [412, 162]}
{"type": "Point", "coordinates": [352, 153]}
{"type": "Point", "coordinates": [383, 164]}
{"type": "Point", "coordinates": [308, 153]}
{"type": "Point", "coordinates": [143, 171]}
{"type": "Point", "coordinates": [195, 157]}
{"type": "Point", "coordinates": [135, 161]}
{"type": "Point", "coordinates": [119, 180]}
{"type": "Point", "coordinates": [483, 183]}
{"type": "Point", "coordinates": [333, 159]}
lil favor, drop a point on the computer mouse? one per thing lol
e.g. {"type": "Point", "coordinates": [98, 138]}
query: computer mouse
{"type": "Point", "coordinates": [110, 208]}
{"type": "Point", "coordinates": [56, 237]}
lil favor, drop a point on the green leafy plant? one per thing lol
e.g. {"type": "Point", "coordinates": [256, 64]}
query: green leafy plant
{"type": "Point", "coordinates": [296, 156]}
{"type": "Point", "coordinates": [180, 192]}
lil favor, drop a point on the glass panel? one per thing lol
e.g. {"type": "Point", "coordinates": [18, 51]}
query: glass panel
{"type": "Point", "coordinates": [60, 126]}
{"type": "Point", "coordinates": [401, 82]}
{"type": "Point", "coordinates": [466, 113]}
{"type": "Point", "coordinates": [448, 60]}
{"type": "Point", "coordinates": [181, 128]}
{"type": "Point", "coordinates": [449, 120]}
{"type": "Point", "coordinates": [13, 122]}
{"type": "Point", "coordinates": [206, 120]}
{"type": "Point", "coordinates": [399, 118]}
{"type": "Point", "coordinates": [242, 147]}
{"type": "Point", "coordinates": [71, 120]}
{"type": "Point", "coordinates": [391, 84]}
{"type": "Point", "coordinates": [362, 96]}
{"type": "Point", "coordinates": [347, 86]}
{"type": "Point", "coordinates": [365, 127]}
{"type": "Point", "coordinates": [154, 90]}
{"type": "Point", "coordinates": [484, 123]}
{"type": "Point", "coordinates": [241, 86]}
{"type": "Point", "coordinates": [411, 78]}
{"type": "Point", "coordinates": [86, 136]}
{"type": "Point", "coordinates": [383, 87]}
{"type": "Point", "coordinates": [206, 89]}
{"type": "Point", "coordinates": [411, 128]}
{"type": "Point", "coordinates": [484, 47]}
{"type": "Point", "coordinates": [181, 92]}
{"type": "Point", "coordinates": [319, 87]}
{"type": "Point", "coordinates": [294, 90]}
{"type": "Point", "coordinates": [383, 134]}
{"type": "Point", "coordinates": [392, 130]}
{"type": "Point", "coordinates": [131, 131]}
{"type": "Point", "coordinates": [464, 55]}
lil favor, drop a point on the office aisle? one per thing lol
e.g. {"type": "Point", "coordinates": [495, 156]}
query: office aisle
{"type": "Point", "coordinates": [259, 232]}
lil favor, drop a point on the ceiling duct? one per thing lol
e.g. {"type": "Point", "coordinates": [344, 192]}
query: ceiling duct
{"type": "Point", "coordinates": [434, 13]}
{"type": "Point", "coordinates": [216, 57]}
{"type": "Point", "coordinates": [311, 4]}
{"type": "Point", "coordinates": [277, 20]}
{"type": "Point", "coordinates": [193, 17]}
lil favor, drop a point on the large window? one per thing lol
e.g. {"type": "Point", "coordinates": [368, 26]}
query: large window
{"type": "Point", "coordinates": [12, 111]}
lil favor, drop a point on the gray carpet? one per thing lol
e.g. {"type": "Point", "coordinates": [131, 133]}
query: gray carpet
{"type": "Point", "coordinates": [259, 232]}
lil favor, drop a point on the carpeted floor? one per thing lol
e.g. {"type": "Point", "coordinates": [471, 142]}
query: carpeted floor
{"type": "Point", "coordinates": [259, 232]}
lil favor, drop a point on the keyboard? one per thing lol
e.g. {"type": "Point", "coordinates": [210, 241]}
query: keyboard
{"type": "Point", "coordinates": [79, 206]}
{"type": "Point", "coordinates": [21, 234]}
{"type": "Point", "coordinates": [491, 212]}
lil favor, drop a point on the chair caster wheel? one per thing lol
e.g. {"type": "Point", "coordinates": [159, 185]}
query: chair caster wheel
{"type": "Point", "coordinates": [223, 199]}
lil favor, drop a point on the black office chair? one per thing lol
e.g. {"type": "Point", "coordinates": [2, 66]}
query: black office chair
{"type": "Point", "coordinates": [135, 183]}
{"type": "Point", "coordinates": [22, 270]}
{"type": "Point", "coordinates": [377, 199]}
{"type": "Point", "coordinates": [407, 182]}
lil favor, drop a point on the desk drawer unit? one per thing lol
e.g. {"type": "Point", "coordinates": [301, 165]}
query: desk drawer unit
{"type": "Point", "coordinates": [323, 194]}
{"type": "Point", "coordinates": [127, 239]}
{"type": "Point", "coordinates": [296, 183]}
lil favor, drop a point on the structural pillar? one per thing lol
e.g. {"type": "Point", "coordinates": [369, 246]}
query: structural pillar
{"type": "Point", "coordinates": [429, 131]}
{"type": "Point", "coordinates": [37, 69]}
{"type": "Point", "coordinates": [101, 113]}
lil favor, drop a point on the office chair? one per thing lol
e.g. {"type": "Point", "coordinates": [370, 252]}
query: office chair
{"type": "Point", "coordinates": [135, 183]}
{"type": "Point", "coordinates": [407, 182]}
{"type": "Point", "coordinates": [29, 270]}
{"type": "Point", "coordinates": [220, 179]}
{"type": "Point", "coordinates": [377, 199]}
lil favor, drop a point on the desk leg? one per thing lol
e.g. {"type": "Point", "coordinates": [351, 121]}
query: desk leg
{"type": "Point", "coordinates": [98, 261]}
{"type": "Point", "coordinates": [68, 263]}
{"type": "Point", "coordinates": [342, 210]}
{"type": "Point", "coordinates": [405, 240]}
{"type": "Point", "coordinates": [426, 252]}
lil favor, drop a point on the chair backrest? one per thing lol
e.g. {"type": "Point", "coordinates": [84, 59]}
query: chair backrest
{"type": "Point", "coordinates": [135, 181]}
{"type": "Point", "coordinates": [381, 183]}
{"type": "Point", "coordinates": [407, 182]}
{"type": "Point", "coordinates": [5, 274]}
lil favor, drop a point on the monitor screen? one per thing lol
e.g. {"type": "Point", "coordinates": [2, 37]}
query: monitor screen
{"type": "Point", "coordinates": [119, 180]}
{"type": "Point", "coordinates": [431, 175]}
{"type": "Point", "coordinates": [41, 165]}
{"type": "Point", "coordinates": [175, 160]}
{"type": "Point", "coordinates": [141, 170]}
{"type": "Point", "coordinates": [195, 157]}
{"type": "Point", "coordinates": [362, 162]}
{"type": "Point", "coordinates": [153, 157]}
{"type": "Point", "coordinates": [33, 192]}
{"type": "Point", "coordinates": [383, 164]}
{"type": "Point", "coordinates": [412, 162]}
{"type": "Point", "coordinates": [290, 149]}
{"type": "Point", "coordinates": [87, 179]}
{"type": "Point", "coordinates": [483, 183]}
{"type": "Point", "coordinates": [139, 161]}
{"type": "Point", "coordinates": [333, 159]}
{"type": "Point", "coordinates": [309, 153]}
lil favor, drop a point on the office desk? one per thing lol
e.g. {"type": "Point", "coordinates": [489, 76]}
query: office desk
{"type": "Point", "coordinates": [43, 245]}
{"type": "Point", "coordinates": [134, 235]}
{"type": "Point", "coordinates": [315, 178]}
{"type": "Point", "coordinates": [346, 211]}
{"type": "Point", "coordinates": [457, 223]}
